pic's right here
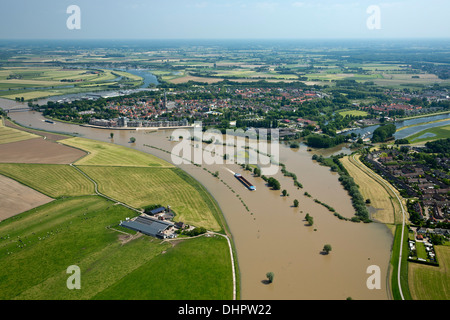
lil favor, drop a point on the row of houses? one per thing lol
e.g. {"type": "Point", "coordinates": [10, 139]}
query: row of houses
{"type": "Point", "coordinates": [416, 179]}
{"type": "Point", "coordinates": [126, 123]}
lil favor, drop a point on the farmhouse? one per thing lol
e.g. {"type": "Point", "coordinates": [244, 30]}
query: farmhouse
{"type": "Point", "coordinates": [151, 227]}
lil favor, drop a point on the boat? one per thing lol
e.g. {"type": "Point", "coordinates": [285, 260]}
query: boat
{"type": "Point", "coordinates": [245, 182]}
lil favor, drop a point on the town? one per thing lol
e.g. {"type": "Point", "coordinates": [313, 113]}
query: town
{"type": "Point", "coordinates": [317, 110]}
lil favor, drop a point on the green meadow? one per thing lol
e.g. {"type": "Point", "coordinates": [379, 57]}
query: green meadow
{"type": "Point", "coordinates": [205, 260]}
{"type": "Point", "coordinates": [37, 246]}
{"type": "Point", "coordinates": [355, 113]}
{"type": "Point", "coordinates": [430, 282]}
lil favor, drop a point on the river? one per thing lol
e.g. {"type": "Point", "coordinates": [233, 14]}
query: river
{"type": "Point", "coordinates": [272, 235]}
{"type": "Point", "coordinates": [417, 126]}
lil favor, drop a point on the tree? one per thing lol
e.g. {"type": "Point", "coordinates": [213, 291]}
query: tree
{"type": "Point", "coordinates": [295, 145]}
{"type": "Point", "coordinates": [257, 172]}
{"type": "Point", "coordinates": [274, 183]}
{"type": "Point", "coordinates": [327, 248]}
{"type": "Point", "coordinates": [296, 203]}
{"type": "Point", "coordinates": [309, 219]}
{"type": "Point", "coordinates": [270, 276]}
{"type": "Point", "coordinates": [383, 133]}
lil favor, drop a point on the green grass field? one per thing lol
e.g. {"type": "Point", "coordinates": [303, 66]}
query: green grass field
{"type": "Point", "coordinates": [109, 154]}
{"type": "Point", "coordinates": [139, 187]}
{"type": "Point", "coordinates": [429, 282]}
{"type": "Point", "coordinates": [430, 134]}
{"type": "Point", "coordinates": [355, 113]}
{"type": "Point", "coordinates": [205, 273]}
{"type": "Point", "coordinates": [53, 180]}
{"type": "Point", "coordinates": [37, 247]}
{"type": "Point", "coordinates": [8, 135]}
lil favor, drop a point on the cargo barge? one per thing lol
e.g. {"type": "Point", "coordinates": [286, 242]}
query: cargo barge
{"type": "Point", "coordinates": [245, 182]}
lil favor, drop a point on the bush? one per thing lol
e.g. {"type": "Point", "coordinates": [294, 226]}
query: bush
{"type": "Point", "coordinates": [195, 232]}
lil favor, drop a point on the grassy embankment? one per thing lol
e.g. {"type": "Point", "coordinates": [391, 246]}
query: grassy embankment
{"type": "Point", "coordinates": [74, 230]}
{"type": "Point", "coordinates": [404, 266]}
{"type": "Point", "coordinates": [386, 206]}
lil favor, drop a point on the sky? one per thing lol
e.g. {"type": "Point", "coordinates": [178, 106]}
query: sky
{"type": "Point", "coordinates": [225, 19]}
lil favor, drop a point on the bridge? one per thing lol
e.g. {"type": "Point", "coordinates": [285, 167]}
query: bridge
{"type": "Point", "coordinates": [20, 109]}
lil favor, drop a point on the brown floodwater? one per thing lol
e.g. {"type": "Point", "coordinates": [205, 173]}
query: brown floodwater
{"type": "Point", "coordinates": [273, 235]}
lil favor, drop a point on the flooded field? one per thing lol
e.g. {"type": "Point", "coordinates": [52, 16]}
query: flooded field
{"type": "Point", "coordinates": [269, 233]}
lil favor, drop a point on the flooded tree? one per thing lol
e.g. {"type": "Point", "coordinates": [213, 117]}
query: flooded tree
{"type": "Point", "coordinates": [270, 276]}
{"type": "Point", "coordinates": [327, 248]}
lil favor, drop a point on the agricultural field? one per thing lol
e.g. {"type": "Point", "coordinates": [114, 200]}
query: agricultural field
{"type": "Point", "coordinates": [109, 154]}
{"type": "Point", "coordinates": [139, 187]}
{"type": "Point", "coordinates": [16, 198]}
{"type": "Point", "coordinates": [430, 282]}
{"type": "Point", "coordinates": [46, 77]}
{"type": "Point", "coordinates": [53, 180]}
{"type": "Point", "coordinates": [38, 151]}
{"type": "Point", "coordinates": [32, 83]}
